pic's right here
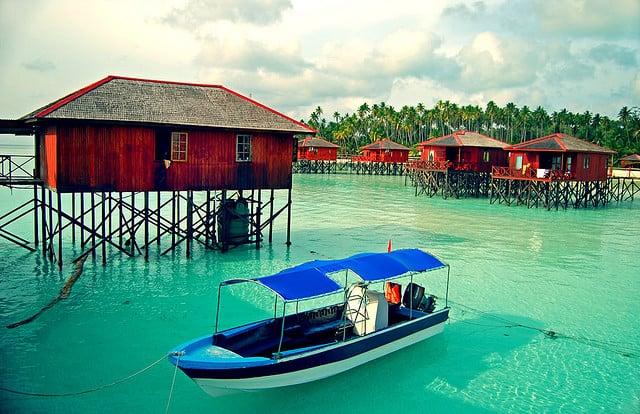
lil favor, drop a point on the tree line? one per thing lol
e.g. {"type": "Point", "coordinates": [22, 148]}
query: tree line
{"type": "Point", "coordinates": [512, 124]}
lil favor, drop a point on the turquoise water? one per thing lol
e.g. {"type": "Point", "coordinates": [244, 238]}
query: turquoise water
{"type": "Point", "coordinates": [515, 274]}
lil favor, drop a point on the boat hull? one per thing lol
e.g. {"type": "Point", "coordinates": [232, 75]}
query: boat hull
{"type": "Point", "coordinates": [317, 363]}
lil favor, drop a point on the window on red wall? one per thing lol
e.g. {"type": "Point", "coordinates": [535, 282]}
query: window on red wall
{"type": "Point", "coordinates": [518, 162]}
{"type": "Point", "coordinates": [179, 146]}
{"type": "Point", "coordinates": [243, 148]}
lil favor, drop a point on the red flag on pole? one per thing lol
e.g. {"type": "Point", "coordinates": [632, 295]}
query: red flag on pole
{"type": "Point", "coordinates": [389, 246]}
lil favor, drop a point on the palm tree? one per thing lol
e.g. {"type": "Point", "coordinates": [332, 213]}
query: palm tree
{"type": "Point", "coordinates": [623, 116]}
{"type": "Point", "coordinates": [491, 113]}
{"type": "Point", "coordinates": [541, 119]}
{"type": "Point", "coordinates": [510, 113]}
{"type": "Point", "coordinates": [523, 121]}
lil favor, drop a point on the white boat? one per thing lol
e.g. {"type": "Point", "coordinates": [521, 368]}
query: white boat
{"type": "Point", "coordinates": [328, 317]}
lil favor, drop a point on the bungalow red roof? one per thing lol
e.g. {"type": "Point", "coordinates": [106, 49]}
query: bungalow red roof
{"type": "Point", "coordinates": [630, 160]}
{"type": "Point", "coordinates": [127, 134]}
{"type": "Point", "coordinates": [384, 150]}
{"type": "Point", "coordinates": [315, 148]}
{"type": "Point", "coordinates": [463, 150]}
{"type": "Point", "coordinates": [561, 155]}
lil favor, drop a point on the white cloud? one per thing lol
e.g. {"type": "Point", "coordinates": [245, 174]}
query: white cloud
{"type": "Point", "coordinates": [295, 54]}
{"type": "Point", "coordinates": [589, 17]}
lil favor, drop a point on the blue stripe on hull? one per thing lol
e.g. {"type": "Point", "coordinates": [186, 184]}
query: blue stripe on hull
{"type": "Point", "coordinates": [322, 357]}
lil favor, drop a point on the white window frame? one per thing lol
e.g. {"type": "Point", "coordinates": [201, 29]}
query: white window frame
{"type": "Point", "coordinates": [178, 151]}
{"type": "Point", "coordinates": [243, 148]}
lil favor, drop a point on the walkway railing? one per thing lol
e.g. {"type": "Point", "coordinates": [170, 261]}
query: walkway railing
{"type": "Point", "coordinates": [17, 168]}
{"type": "Point", "coordinates": [531, 174]}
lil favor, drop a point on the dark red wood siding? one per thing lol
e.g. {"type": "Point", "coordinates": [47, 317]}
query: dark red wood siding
{"type": "Point", "coordinates": [466, 158]}
{"type": "Point", "coordinates": [122, 158]}
{"type": "Point", "coordinates": [381, 155]}
{"type": "Point", "coordinates": [320, 153]}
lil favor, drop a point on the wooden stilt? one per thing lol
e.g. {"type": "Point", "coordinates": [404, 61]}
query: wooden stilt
{"type": "Point", "coordinates": [103, 225]}
{"type": "Point", "coordinates": [146, 226]}
{"type": "Point", "coordinates": [288, 217]}
{"type": "Point", "coordinates": [271, 201]}
{"type": "Point", "coordinates": [35, 216]}
{"type": "Point", "coordinates": [189, 221]}
{"type": "Point", "coordinates": [258, 216]}
{"type": "Point", "coordinates": [93, 226]}
{"type": "Point", "coordinates": [59, 206]}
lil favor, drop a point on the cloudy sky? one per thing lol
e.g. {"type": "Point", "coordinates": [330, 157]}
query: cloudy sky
{"type": "Point", "coordinates": [295, 55]}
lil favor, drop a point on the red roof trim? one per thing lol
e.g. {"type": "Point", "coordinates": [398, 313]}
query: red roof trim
{"type": "Point", "coordinates": [62, 102]}
{"type": "Point", "coordinates": [86, 89]}
{"type": "Point", "coordinates": [267, 108]}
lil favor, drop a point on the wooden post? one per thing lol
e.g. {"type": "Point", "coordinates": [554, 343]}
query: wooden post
{"type": "Point", "coordinates": [50, 235]}
{"type": "Point", "coordinates": [73, 214]}
{"type": "Point", "coordinates": [189, 221]}
{"type": "Point", "coordinates": [207, 220]}
{"type": "Point", "coordinates": [104, 229]}
{"type": "Point", "coordinates": [258, 214]}
{"type": "Point", "coordinates": [120, 220]}
{"type": "Point", "coordinates": [271, 216]}
{"type": "Point", "coordinates": [35, 216]}
{"type": "Point", "coordinates": [173, 219]}
{"type": "Point", "coordinates": [93, 226]}
{"type": "Point", "coordinates": [146, 226]}
{"type": "Point", "coordinates": [289, 217]}
{"type": "Point", "coordinates": [132, 235]}
{"type": "Point", "coordinates": [59, 201]}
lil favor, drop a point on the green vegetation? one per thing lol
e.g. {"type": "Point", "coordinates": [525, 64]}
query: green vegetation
{"type": "Point", "coordinates": [511, 124]}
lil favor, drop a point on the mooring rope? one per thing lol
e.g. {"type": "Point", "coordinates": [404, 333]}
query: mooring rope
{"type": "Point", "coordinates": [173, 381]}
{"type": "Point", "coordinates": [69, 394]}
{"type": "Point", "coordinates": [617, 347]}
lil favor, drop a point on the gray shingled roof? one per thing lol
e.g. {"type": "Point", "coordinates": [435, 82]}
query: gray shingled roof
{"type": "Point", "coordinates": [559, 143]}
{"type": "Point", "coordinates": [386, 144]}
{"type": "Point", "coordinates": [316, 142]}
{"type": "Point", "coordinates": [465, 139]}
{"type": "Point", "coordinates": [119, 99]}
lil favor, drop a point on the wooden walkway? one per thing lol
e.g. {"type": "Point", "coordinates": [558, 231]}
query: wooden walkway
{"type": "Point", "coordinates": [557, 190]}
{"type": "Point", "coordinates": [348, 166]}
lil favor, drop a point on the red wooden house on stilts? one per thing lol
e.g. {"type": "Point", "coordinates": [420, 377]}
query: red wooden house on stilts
{"type": "Point", "coordinates": [556, 170]}
{"type": "Point", "coordinates": [126, 135]}
{"type": "Point", "coordinates": [463, 151]}
{"type": "Point", "coordinates": [315, 148]}
{"type": "Point", "coordinates": [384, 150]}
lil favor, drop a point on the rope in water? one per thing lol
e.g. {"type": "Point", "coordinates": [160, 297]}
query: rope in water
{"type": "Point", "coordinates": [69, 394]}
{"type": "Point", "coordinates": [173, 381]}
{"type": "Point", "coordinates": [617, 347]}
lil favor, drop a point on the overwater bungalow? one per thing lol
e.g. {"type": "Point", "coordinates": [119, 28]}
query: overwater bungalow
{"type": "Point", "coordinates": [126, 134]}
{"type": "Point", "coordinates": [462, 151]}
{"type": "Point", "coordinates": [556, 157]}
{"type": "Point", "coordinates": [385, 151]}
{"type": "Point", "coordinates": [316, 148]}
{"type": "Point", "coordinates": [136, 136]}
{"type": "Point", "coordinates": [630, 161]}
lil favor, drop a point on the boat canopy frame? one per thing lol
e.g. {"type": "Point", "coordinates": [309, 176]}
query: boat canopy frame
{"type": "Point", "coordinates": [314, 279]}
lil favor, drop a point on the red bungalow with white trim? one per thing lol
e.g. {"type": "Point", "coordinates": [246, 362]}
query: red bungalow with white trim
{"type": "Point", "coordinates": [384, 150]}
{"type": "Point", "coordinates": [559, 156]}
{"type": "Point", "coordinates": [127, 134]}
{"type": "Point", "coordinates": [314, 148]}
{"type": "Point", "coordinates": [463, 150]}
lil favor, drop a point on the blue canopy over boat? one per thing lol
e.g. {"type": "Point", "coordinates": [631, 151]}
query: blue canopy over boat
{"type": "Point", "coordinates": [312, 279]}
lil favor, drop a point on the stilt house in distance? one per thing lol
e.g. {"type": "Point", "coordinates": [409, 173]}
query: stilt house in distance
{"type": "Point", "coordinates": [315, 148]}
{"type": "Point", "coordinates": [559, 156]}
{"type": "Point", "coordinates": [463, 151]}
{"type": "Point", "coordinates": [384, 150]}
{"type": "Point", "coordinates": [127, 134]}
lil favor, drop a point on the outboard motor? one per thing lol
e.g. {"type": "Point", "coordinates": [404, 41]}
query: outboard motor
{"type": "Point", "coordinates": [414, 298]}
